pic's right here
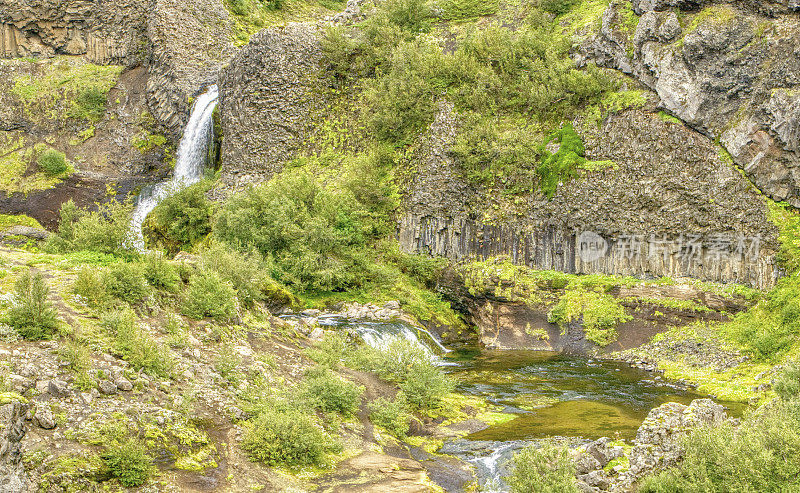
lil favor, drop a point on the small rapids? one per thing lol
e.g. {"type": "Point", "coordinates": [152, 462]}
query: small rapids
{"type": "Point", "coordinates": [189, 166]}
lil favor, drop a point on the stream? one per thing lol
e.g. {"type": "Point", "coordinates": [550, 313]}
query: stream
{"type": "Point", "coordinates": [549, 394]}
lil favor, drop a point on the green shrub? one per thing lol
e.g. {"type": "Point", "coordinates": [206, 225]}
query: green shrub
{"type": "Point", "coordinates": [314, 234]}
{"type": "Point", "coordinates": [598, 312]}
{"type": "Point", "coordinates": [53, 162]}
{"type": "Point", "coordinates": [32, 315]}
{"type": "Point", "coordinates": [392, 362]}
{"type": "Point", "coordinates": [558, 7]}
{"type": "Point", "coordinates": [105, 230]}
{"type": "Point", "coordinates": [787, 384]}
{"type": "Point", "coordinates": [425, 386]}
{"type": "Point", "coordinates": [91, 285]}
{"type": "Point", "coordinates": [209, 296]}
{"type": "Point", "coordinates": [323, 390]}
{"type": "Point", "coordinates": [136, 346]}
{"type": "Point", "coordinates": [562, 166]}
{"type": "Point", "coordinates": [128, 462]}
{"type": "Point", "coordinates": [329, 351]}
{"type": "Point", "coordinates": [227, 363]}
{"type": "Point", "coordinates": [90, 104]}
{"type": "Point", "coordinates": [160, 274]}
{"type": "Point", "coordinates": [286, 437]}
{"type": "Point", "coordinates": [391, 415]}
{"type": "Point", "coordinates": [544, 468]}
{"type": "Point", "coordinates": [180, 221]}
{"type": "Point", "coordinates": [246, 272]}
{"type": "Point", "coordinates": [125, 281]}
{"type": "Point", "coordinates": [763, 454]}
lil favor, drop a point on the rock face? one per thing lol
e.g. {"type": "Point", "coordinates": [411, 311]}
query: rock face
{"type": "Point", "coordinates": [183, 44]}
{"type": "Point", "coordinates": [266, 102]}
{"type": "Point", "coordinates": [671, 207]}
{"type": "Point", "coordinates": [13, 478]}
{"type": "Point", "coordinates": [732, 72]}
{"type": "Point", "coordinates": [656, 446]}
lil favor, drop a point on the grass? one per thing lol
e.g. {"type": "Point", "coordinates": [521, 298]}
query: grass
{"type": "Point", "coordinates": [250, 16]}
{"type": "Point", "coordinates": [8, 221]}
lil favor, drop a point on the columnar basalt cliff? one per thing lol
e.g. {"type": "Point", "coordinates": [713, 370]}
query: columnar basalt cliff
{"type": "Point", "coordinates": [670, 206]}
{"type": "Point", "coordinates": [267, 103]}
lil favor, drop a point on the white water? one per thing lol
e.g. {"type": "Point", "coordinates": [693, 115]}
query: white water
{"type": "Point", "coordinates": [191, 159]}
{"type": "Point", "coordinates": [380, 334]}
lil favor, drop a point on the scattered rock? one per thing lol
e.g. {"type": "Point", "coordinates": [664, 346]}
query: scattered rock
{"type": "Point", "coordinates": [107, 387]}
{"type": "Point", "coordinates": [58, 388]}
{"type": "Point", "coordinates": [44, 418]}
{"type": "Point", "coordinates": [124, 384]}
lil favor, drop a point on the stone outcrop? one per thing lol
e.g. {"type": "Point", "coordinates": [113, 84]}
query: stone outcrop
{"type": "Point", "coordinates": [657, 446]}
{"type": "Point", "coordinates": [671, 206]}
{"type": "Point", "coordinates": [183, 44]}
{"type": "Point", "coordinates": [13, 478]}
{"type": "Point", "coordinates": [267, 103]}
{"type": "Point", "coordinates": [731, 71]}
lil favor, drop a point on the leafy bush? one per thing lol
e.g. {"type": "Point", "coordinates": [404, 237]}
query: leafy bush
{"type": "Point", "coordinates": [246, 272]}
{"type": "Point", "coordinates": [160, 274]}
{"type": "Point", "coordinates": [325, 391]}
{"type": "Point", "coordinates": [180, 221]}
{"type": "Point", "coordinates": [136, 346]}
{"type": "Point", "coordinates": [91, 286]}
{"type": "Point", "coordinates": [547, 469]}
{"type": "Point", "coordinates": [558, 7]}
{"type": "Point", "coordinates": [286, 437]}
{"type": "Point", "coordinates": [329, 351]}
{"type": "Point", "coordinates": [314, 234]}
{"type": "Point", "coordinates": [125, 281]}
{"type": "Point", "coordinates": [128, 462]}
{"type": "Point", "coordinates": [391, 415]}
{"type": "Point", "coordinates": [209, 296]}
{"type": "Point", "coordinates": [53, 162]}
{"type": "Point", "coordinates": [563, 165]}
{"type": "Point", "coordinates": [32, 315]}
{"type": "Point", "coordinates": [598, 312]}
{"type": "Point", "coordinates": [787, 384]}
{"type": "Point", "coordinates": [105, 230]}
{"type": "Point", "coordinates": [425, 386]}
{"type": "Point", "coordinates": [761, 455]}
{"type": "Point", "coordinates": [90, 104]}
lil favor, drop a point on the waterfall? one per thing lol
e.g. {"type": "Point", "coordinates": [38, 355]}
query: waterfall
{"type": "Point", "coordinates": [189, 166]}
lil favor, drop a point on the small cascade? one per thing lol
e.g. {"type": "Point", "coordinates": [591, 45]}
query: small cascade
{"type": "Point", "coordinates": [381, 334]}
{"type": "Point", "coordinates": [189, 166]}
{"type": "Point", "coordinates": [491, 460]}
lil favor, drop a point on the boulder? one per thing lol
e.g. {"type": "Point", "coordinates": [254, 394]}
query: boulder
{"type": "Point", "coordinates": [13, 478]}
{"type": "Point", "coordinates": [44, 418]}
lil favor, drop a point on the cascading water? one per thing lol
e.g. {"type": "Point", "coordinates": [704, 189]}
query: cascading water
{"type": "Point", "coordinates": [189, 166]}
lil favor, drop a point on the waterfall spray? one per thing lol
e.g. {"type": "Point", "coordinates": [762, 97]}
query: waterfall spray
{"type": "Point", "coordinates": [189, 166]}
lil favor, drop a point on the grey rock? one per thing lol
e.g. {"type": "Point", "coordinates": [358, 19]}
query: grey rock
{"type": "Point", "coordinates": [107, 387]}
{"type": "Point", "coordinates": [13, 478]}
{"type": "Point", "coordinates": [392, 305]}
{"type": "Point", "coordinates": [124, 384]}
{"type": "Point", "coordinates": [642, 6]}
{"type": "Point", "coordinates": [586, 463]}
{"type": "Point", "coordinates": [597, 479]}
{"type": "Point", "coordinates": [20, 384]}
{"type": "Point", "coordinates": [86, 398]}
{"type": "Point", "coordinates": [44, 418]}
{"type": "Point", "coordinates": [58, 388]}
{"type": "Point", "coordinates": [27, 232]}
{"type": "Point", "coordinates": [266, 102]}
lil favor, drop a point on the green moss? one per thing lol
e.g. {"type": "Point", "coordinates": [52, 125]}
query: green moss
{"type": "Point", "coordinates": [71, 472]}
{"type": "Point", "coordinates": [586, 18]}
{"type": "Point", "coordinates": [561, 166]}
{"type": "Point", "coordinates": [146, 142]}
{"type": "Point", "coordinates": [9, 397]}
{"type": "Point", "coordinates": [7, 221]}
{"type": "Point", "coordinates": [668, 118]}
{"type": "Point", "coordinates": [599, 313]}
{"type": "Point", "coordinates": [717, 15]}
{"type": "Point", "coordinates": [199, 460]}
{"type": "Point", "coordinates": [466, 9]}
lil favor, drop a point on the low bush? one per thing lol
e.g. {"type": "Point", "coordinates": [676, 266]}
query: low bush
{"type": "Point", "coordinates": [246, 272]}
{"type": "Point", "coordinates": [598, 312]}
{"type": "Point", "coordinates": [558, 7]}
{"type": "Point", "coordinates": [209, 296]}
{"type": "Point", "coordinates": [287, 437]}
{"type": "Point", "coordinates": [180, 221]}
{"type": "Point", "coordinates": [105, 230]}
{"type": "Point", "coordinates": [136, 346]}
{"type": "Point", "coordinates": [544, 468]}
{"type": "Point", "coordinates": [425, 386]}
{"type": "Point", "coordinates": [329, 351]}
{"type": "Point", "coordinates": [329, 393]}
{"type": "Point", "coordinates": [391, 415]}
{"type": "Point", "coordinates": [89, 104]}
{"type": "Point", "coordinates": [161, 274]}
{"type": "Point", "coordinates": [125, 281]}
{"type": "Point", "coordinates": [53, 162]}
{"type": "Point", "coordinates": [31, 314]}
{"type": "Point", "coordinates": [91, 286]}
{"type": "Point", "coordinates": [128, 463]}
